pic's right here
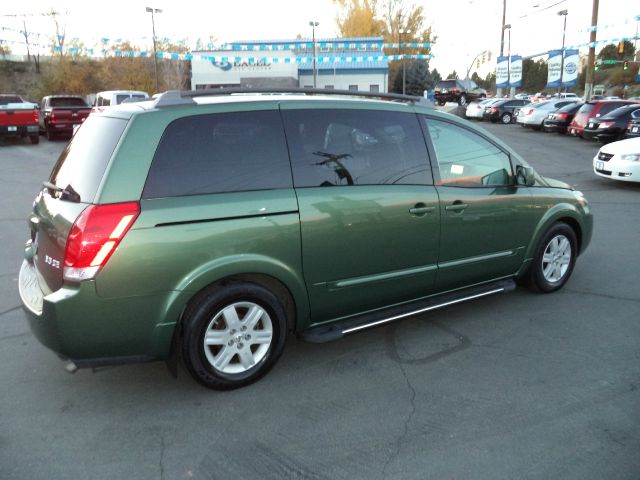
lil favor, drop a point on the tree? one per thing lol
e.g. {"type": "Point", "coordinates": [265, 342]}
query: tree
{"type": "Point", "coordinates": [374, 18]}
{"type": "Point", "coordinates": [124, 70]}
{"type": "Point", "coordinates": [5, 49]}
{"type": "Point", "coordinates": [610, 52]}
{"type": "Point", "coordinates": [175, 73]}
{"type": "Point", "coordinates": [534, 75]}
{"type": "Point", "coordinates": [418, 78]}
{"type": "Point", "coordinates": [453, 74]}
{"type": "Point", "coordinates": [61, 29]}
{"type": "Point", "coordinates": [358, 18]}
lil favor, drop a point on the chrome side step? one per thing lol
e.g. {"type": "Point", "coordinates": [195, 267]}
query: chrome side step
{"type": "Point", "coordinates": [336, 330]}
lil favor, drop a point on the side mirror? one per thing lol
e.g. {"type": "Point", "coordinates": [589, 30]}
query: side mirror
{"type": "Point", "coordinates": [525, 176]}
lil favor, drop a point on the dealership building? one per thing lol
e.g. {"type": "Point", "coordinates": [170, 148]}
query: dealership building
{"type": "Point", "coordinates": [341, 63]}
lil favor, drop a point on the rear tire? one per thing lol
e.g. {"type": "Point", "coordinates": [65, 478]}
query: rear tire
{"type": "Point", "coordinates": [554, 259]}
{"type": "Point", "coordinates": [233, 335]}
{"type": "Point", "coordinates": [462, 101]}
{"type": "Point", "coordinates": [49, 134]}
{"type": "Point", "coordinates": [506, 118]}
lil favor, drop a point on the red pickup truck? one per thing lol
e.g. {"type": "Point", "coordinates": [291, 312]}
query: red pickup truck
{"type": "Point", "coordinates": [18, 118]}
{"type": "Point", "coordinates": [59, 114]}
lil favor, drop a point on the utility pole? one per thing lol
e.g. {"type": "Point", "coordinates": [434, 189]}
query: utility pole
{"type": "Point", "coordinates": [504, 17]}
{"type": "Point", "coordinates": [588, 86]}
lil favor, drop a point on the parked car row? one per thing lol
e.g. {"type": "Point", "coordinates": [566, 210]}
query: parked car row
{"type": "Point", "coordinates": [606, 121]}
{"type": "Point", "coordinates": [601, 120]}
{"type": "Point", "coordinates": [56, 115]}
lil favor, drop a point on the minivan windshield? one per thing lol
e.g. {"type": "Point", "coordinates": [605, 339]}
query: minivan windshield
{"type": "Point", "coordinates": [82, 163]}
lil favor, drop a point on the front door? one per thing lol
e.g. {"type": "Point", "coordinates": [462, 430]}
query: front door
{"type": "Point", "coordinates": [486, 218]}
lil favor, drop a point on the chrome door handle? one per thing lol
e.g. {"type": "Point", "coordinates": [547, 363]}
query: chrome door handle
{"type": "Point", "coordinates": [419, 211]}
{"type": "Point", "coordinates": [456, 207]}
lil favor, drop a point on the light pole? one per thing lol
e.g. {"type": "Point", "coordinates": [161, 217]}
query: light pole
{"type": "Point", "coordinates": [155, 51]}
{"type": "Point", "coordinates": [512, 89]}
{"type": "Point", "coordinates": [564, 31]}
{"type": "Point", "coordinates": [404, 65]}
{"type": "Point", "coordinates": [313, 26]}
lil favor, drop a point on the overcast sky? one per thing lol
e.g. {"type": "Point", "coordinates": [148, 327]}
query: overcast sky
{"type": "Point", "coordinates": [463, 27]}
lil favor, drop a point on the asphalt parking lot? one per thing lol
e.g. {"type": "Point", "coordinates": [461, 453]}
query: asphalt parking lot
{"type": "Point", "coordinates": [516, 386]}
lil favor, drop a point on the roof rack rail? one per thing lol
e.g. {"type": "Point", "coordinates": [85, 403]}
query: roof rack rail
{"type": "Point", "coordinates": [175, 97]}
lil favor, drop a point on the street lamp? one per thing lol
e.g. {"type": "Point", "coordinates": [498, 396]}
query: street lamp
{"type": "Point", "coordinates": [512, 90]}
{"type": "Point", "coordinates": [155, 51]}
{"type": "Point", "coordinates": [562, 13]}
{"type": "Point", "coordinates": [404, 65]}
{"type": "Point", "coordinates": [313, 26]}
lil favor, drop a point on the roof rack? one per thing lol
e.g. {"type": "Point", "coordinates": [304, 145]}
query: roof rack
{"type": "Point", "coordinates": [176, 97]}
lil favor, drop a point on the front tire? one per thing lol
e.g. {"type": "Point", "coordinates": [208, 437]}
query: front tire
{"type": "Point", "coordinates": [506, 118]}
{"type": "Point", "coordinates": [233, 335]}
{"type": "Point", "coordinates": [554, 259]}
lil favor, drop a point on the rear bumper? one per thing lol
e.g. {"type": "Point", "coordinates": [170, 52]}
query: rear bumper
{"type": "Point", "coordinates": [78, 324]}
{"type": "Point", "coordinates": [19, 130]}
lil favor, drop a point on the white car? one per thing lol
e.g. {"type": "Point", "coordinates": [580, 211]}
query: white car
{"type": "Point", "coordinates": [619, 160]}
{"type": "Point", "coordinates": [476, 109]}
{"type": "Point", "coordinates": [533, 115]}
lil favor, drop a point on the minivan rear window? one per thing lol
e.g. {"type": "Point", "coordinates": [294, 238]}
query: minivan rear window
{"type": "Point", "coordinates": [82, 163]}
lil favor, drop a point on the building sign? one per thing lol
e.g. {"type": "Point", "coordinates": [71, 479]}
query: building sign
{"type": "Point", "coordinates": [515, 71]}
{"type": "Point", "coordinates": [502, 72]}
{"type": "Point", "coordinates": [554, 67]}
{"type": "Point", "coordinates": [225, 66]}
{"type": "Point", "coordinates": [237, 68]}
{"type": "Point", "coordinates": [570, 70]}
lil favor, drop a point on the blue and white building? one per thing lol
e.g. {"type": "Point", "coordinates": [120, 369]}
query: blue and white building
{"type": "Point", "coordinates": [341, 63]}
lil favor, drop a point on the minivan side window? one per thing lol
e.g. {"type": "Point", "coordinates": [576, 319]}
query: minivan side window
{"type": "Point", "coordinates": [222, 152]}
{"type": "Point", "coordinates": [331, 147]}
{"type": "Point", "coordinates": [465, 159]}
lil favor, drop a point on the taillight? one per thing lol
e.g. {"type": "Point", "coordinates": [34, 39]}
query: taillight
{"type": "Point", "coordinates": [606, 124]}
{"type": "Point", "coordinates": [562, 115]}
{"type": "Point", "coordinates": [36, 116]}
{"type": "Point", "coordinates": [455, 90]}
{"type": "Point", "coordinates": [494, 109]}
{"type": "Point", "coordinates": [530, 111]}
{"type": "Point", "coordinates": [52, 117]}
{"type": "Point", "coordinates": [94, 237]}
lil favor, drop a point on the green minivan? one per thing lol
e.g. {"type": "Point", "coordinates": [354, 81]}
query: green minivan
{"type": "Point", "coordinates": [207, 225]}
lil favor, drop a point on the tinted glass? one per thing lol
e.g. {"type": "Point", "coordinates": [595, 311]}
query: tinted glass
{"type": "Point", "coordinates": [571, 108]}
{"type": "Point", "coordinates": [622, 111]}
{"type": "Point", "coordinates": [224, 152]}
{"type": "Point", "coordinates": [586, 108]}
{"type": "Point", "coordinates": [356, 147]}
{"type": "Point", "coordinates": [465, 159]}
{"type": "Point", "coordinates": [447, 84]}
{"type": "Point", "coordinates": [6, 100]}
{"type": "Point", "coordinates": [121, 98]}
{"type": "Point", "coordinates": [82, 163]}
{"type": "Point", "coordinates": [608, 107]}
{"type": "Point", "coordinates": [67, 102]}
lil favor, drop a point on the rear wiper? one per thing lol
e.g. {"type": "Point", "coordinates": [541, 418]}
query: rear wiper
{"type": "Point", "coordinates": [67, 193]}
